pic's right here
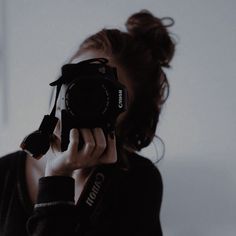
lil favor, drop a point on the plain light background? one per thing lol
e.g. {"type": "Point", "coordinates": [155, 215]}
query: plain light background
{"type": "Point", "coordinates": [198, 123]}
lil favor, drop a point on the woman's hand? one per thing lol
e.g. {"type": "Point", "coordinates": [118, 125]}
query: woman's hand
{"type": "Point", "coordinates": [96, 150]}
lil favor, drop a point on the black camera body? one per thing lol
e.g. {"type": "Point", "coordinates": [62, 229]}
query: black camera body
{"type": "Point", "coordinates": [90, 96]}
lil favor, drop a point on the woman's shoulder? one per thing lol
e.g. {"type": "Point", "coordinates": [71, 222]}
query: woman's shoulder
{"type": "Point", "coordinates": [10, 160]}
{"type": "Point", "coordinates": [143, 170]}
{"type": "Point", "coordinates": [140, 192]}
{"type": "Point", "coordinates": [137, 162]}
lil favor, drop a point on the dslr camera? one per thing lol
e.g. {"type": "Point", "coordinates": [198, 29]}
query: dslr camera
{"type": "Point", "coordinates": [89, 95]}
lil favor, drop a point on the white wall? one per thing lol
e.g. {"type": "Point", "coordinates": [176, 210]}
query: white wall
{"type": "Point", "coordinates": [198, 123]}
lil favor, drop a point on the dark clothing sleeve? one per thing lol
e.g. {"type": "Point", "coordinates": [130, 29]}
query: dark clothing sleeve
{"type": "Point", "coordinates": [135, 209]}
{"type": "Point", "coordinates": [54, 212]}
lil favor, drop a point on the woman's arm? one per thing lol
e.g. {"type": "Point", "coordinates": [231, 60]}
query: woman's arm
{"type": "Point", "coordinates": [54, 212]}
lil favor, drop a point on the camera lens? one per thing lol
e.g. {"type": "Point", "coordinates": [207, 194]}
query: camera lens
{"type": "Point", "coordinates": [87, 98]}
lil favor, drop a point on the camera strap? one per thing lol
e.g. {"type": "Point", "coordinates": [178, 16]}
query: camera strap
{"type": "Point", "coordinates": [59, 84]}
{"type": "Point", "coordinates": [91, 202]}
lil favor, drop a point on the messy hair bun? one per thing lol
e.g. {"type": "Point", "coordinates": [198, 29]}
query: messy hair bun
{"type": "Point", "coordinates": [152, 30]}
{"type": "Point", "coordinates": [142, 51]}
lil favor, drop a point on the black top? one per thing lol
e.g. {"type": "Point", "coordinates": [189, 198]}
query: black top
{"type": "Point", "coordinates": [130, 206]}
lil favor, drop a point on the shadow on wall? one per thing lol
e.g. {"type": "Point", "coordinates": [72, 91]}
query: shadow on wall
{"type": "Point", "coordinates": [199, 198]}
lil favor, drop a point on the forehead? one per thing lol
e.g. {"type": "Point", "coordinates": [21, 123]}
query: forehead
{"type": "Point", "coordinates": [89, 54]}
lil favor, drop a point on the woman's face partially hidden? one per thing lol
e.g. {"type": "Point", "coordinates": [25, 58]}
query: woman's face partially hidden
{"type": "Point", "coordinates": [122, 77]}
{"type": "Point", "coordinates": [121, 73]}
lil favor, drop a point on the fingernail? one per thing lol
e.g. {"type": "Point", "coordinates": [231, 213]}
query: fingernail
{"type": "Point", "coordinates": [112, 135]}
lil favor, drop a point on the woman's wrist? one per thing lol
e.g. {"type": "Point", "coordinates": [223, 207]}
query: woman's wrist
{"type": "Point", "coordinates": [51, 172]}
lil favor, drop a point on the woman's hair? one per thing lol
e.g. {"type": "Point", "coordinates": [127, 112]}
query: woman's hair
{"type": "Point", "coordinates": [142, 51]}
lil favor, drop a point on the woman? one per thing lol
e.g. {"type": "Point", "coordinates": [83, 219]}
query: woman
{"type": "Point", "coordinates": [43, 197]}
